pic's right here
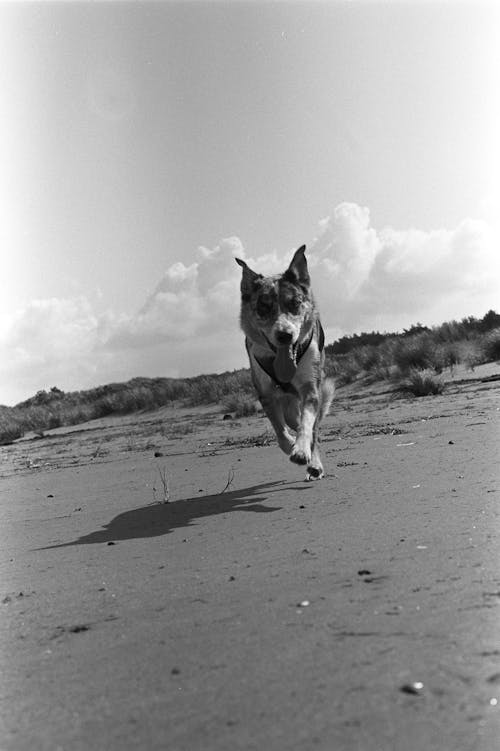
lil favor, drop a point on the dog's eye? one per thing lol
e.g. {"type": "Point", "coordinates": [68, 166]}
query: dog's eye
{"type": "Point", "coordinates": [293, 305]}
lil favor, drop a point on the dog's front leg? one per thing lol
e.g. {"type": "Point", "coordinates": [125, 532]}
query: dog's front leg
{"type": "Point", "coordinates": [302, 450]}
{"type": "Point", "coordinates": [274, 410]}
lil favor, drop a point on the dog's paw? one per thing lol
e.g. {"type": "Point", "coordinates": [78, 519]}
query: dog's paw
{"type": "Point", "coordinates": [314, 473]}
{"type": "Point", "coordinates": [300, 455]}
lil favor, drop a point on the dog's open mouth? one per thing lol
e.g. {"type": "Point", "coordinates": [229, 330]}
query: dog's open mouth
{"type": "Point", "coordinates": [285, 365]}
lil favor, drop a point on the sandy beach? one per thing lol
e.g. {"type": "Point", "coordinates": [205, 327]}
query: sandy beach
{"type": "Point", "coordinates": [254, 610]}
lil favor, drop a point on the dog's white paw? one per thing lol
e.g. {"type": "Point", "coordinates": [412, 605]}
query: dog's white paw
{"type": "Point", "coordinates": [314, 473]}
{"type": "Point", "coordinates": [301, 454]}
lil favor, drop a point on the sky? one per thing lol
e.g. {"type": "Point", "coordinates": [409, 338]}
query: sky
{"type": "Point", "coordinates": [144, 145]}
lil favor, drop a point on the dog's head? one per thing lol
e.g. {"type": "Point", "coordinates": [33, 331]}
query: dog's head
{"type": "Point", "coordinates": [278, 308]}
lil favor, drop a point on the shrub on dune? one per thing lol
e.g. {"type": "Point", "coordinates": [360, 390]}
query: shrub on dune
{"type": "Point", "coordinates": [423, 383]}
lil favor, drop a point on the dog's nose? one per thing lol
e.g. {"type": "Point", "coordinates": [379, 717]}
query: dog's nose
{"type": "Point", "coordinates": [283, 337]}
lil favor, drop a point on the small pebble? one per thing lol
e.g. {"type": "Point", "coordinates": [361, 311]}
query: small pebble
{"type": "Point", "coordinates": [412, 688]}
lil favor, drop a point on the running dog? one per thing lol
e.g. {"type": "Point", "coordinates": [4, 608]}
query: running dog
{"type": "Point", "coordinates": [285, 344]}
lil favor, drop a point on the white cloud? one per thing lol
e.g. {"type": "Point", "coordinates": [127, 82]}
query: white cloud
{"type": "Point", "coordinates": [48, 341]}
{"type": "Point", "coordinates": [51, 330]}
{"type": "Point", "coordinates": [189, 301]}
{"type": "Point", "coordinates": [346, 247]}
{"type": "Point", "coordinates": [391, 278]}
{"type": "Point", "coordinates": [363, 278]}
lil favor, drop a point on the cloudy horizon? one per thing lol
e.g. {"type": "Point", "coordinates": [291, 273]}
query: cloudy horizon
{"type": "Point", "coordinates": [146, 145]}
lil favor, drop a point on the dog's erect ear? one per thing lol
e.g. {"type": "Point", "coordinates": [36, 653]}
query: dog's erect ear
{"type": "Point", "coordinates": [297, 271]}
{"type": "Point", "coordinates": [248, 278]}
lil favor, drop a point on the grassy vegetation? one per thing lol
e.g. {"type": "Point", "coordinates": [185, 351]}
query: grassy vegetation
{"type": "Point", "coordinates": [398, 357]}
{"type": "Point", "coordinates": [422, 383]}
{"type": "Point", "coordinates": [54, 408]}
{"type": "Point", "coordinates": [241, 404]}
{"type": "Point", "coordinates": [412, 360]}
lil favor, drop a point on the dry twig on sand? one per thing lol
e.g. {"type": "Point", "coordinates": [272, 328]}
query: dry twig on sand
{"type": "Point", "coordinates": [165, 483]}
{"type": "Point", "coordinates": [230, 478]}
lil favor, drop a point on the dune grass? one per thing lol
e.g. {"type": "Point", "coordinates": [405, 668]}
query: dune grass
{"type": "Point", "coordinates": [422, 383]}
{"type": "Point", "coordinates": [398, 357]}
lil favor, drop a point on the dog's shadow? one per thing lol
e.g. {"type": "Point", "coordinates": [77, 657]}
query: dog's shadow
{"type": "Point", "coordinates": [159, 519]}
